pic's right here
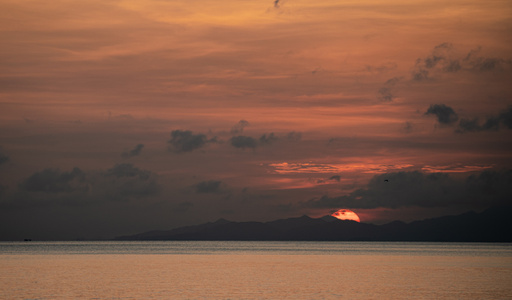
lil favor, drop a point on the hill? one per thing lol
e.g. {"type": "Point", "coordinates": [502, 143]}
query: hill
{"type": "Point", "coordinates": [492, 225]}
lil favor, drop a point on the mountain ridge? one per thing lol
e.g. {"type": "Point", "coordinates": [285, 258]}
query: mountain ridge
{"type": "Point", "coordinates": [491, 225]}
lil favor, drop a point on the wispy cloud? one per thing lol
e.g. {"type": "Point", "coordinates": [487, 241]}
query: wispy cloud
{"type": "Point", "coordinates": [291, 168]}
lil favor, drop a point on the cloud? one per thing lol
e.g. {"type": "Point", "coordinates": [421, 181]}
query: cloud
{"type": "Point", "coordinates": [243, 142]}
{"type": "Point", "coordinates": [294, 136]}
{"type": "Point", "coordinates": [477, 63]}
{"type": "Point", "coordinates": [211, 186]}
{"type": "Point", "coordinates": [55, 181]}
{"type": "Point", "coordinates": [335, 178]}
{"type": "Point", "coordinates": [186, 141]}
{"type": "Point", "coordinates": [386, 93]}
{"type": "Point", "coordinates": [469, 125]}
{"type": "Point", "coordinates": [55, 204]}
{"type": "Point", "coordinates": [3, 158]}
{"type": "Point", "coordinates": [268, 139]}
{"type": "Point", "coordinates": [239, 127]}
{"type": "Point", "coordinates": [445, 114]}
{"type": "Point", "coordinates": [444, 59]}
{"type": "Point", "coordinates": [134, 152]}
{"type": "Point", "coordinates": [437, 59]}
{"type": "Point", "coordinates": [123, 182]}
{"type": "Point", "coordinates": [487, 64]}
{"type": "Point", "coordinates": [417, 189]}
{"type": "Point", "coordinates": [504, 118]}
{"type": "Point", "coordinates": [127, 170]}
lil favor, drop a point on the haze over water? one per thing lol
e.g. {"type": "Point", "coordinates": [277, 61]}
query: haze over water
{"type": "Point", "coordinates": [262, 270]}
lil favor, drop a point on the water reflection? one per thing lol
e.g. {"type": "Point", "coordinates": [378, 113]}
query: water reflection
{"type": "Point", "coordinates": [257, 248]}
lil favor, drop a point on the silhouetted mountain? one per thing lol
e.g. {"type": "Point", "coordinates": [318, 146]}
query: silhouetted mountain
{"type": "Point", "coordinates": [286, 225]}
{"type": "Point", "coordinates": [492, 225]}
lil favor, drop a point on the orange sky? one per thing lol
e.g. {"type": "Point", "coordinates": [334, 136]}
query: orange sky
{"type": "Point", "coordinates": [317, 88]}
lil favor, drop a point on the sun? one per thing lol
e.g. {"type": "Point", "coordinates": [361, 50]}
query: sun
{"type": "Point", "coordinates": [346, 214]}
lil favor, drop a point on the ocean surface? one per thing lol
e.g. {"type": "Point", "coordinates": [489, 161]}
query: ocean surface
{"type": "Point", "coordinates": [254, 270]}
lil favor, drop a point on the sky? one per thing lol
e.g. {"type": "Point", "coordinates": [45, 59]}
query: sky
{"type": "Point", "coordinates": [123, 116]}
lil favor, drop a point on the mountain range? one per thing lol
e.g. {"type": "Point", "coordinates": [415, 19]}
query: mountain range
{"type": "Point", "coordinates": [491, 225]}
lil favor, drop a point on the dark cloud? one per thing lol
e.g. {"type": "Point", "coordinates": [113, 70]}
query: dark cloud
{"type": "Point", "coordinates": [134, 152]}
{"type": "Point", "coordinates": [491, 123]}
{"type": "Point", "coordinates": [211, 186]}
{"type": "Point", "coordinates": [445, 114]}
{"type": "Point", "coordinates": [332, 178]}
{"type": "Point", "coordinates": [239, 127]}
{"type": "Point", "coordinates": [487, 64]}
{"type": "Point", "coordinates": [443, 59]}
{"type": "Point", "coordinates": [438, 58]}
{"type": "Point", "coordinates": [122, 182]}
{"type": "Point", "coordinates": [386, 92]}
{"type": "Point", "coordinates": [55, 181]}
{"type": "Point", "coordinates": [420, 75]}
{"type": "Point", "coordinates": [478, 63]}
{"type": "Point", "coordinates": [54, 204]}
{"type": "Point", "coordinates": [452, 66]}
{"type": "Point", "coordinates": [125, 181]}
{"type": "Point", "coordinates": [506, 117]}
{"type": "Point", "coordinates": [127, 170]}
{"type": "Point", "coordinates": [335, 178]}
{"type": "Point", "coordinates": [469, 125]}
{"type": "Point", "coordinates": [3, 158]}
{"type": "Point", "coordinates": [186, 141]}
{"type": "Point", "coordinates": [268, 138]}
{"type": "Point", "coordinates": [438, 55]}
{"type": "Point", "coordinates": [393, 81]}
{"type": "Point", "coordinates": [416, 189]}
{"type": "Point", "coordinates": [490, 186]}
{"type": "Point", "coordinates": [243, 142]}
{"type": "Point", "coordinates": [294, 136]}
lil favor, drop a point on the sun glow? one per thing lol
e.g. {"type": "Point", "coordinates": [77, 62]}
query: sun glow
{"type": "Point", "coordinates": [297, 168]}
{"type": "Point", "coordinates": [346, 214]}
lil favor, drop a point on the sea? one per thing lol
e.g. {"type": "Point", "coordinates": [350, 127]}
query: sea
{"type": "Point", "coordinates": [254, 270]}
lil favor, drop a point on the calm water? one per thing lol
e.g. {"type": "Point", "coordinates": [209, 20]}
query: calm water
{"type": "Point", "coordinates": [254, 270]}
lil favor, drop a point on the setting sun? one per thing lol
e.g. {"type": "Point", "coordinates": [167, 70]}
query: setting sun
{"type": "Point", "coordinates": [346, 214]}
